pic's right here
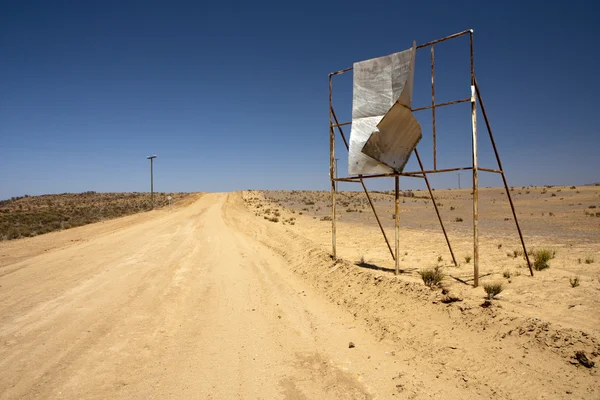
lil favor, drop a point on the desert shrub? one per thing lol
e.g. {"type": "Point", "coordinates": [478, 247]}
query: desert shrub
{"type": "Point", "coordinates": [507, 274]}
{"type": "Point", "coordinates": [440, 258]}
{"type": "Point", "coordinates": [458, 219]}
{"type": "Point", "coordinates": [517, 253]}
{"type": "Point", "coordinates": [541, 258]}
{"type": "Point", "coordinates": [574, 282]}
{"type": "Point", "coordinates": [432, 277]}
{"type": "Point", "coordinates": [589, 260]}
{"type": "Point", "coordinates": [493, 289]}
{"type": "Point", "coordinates": [326, 218]}
{"type": "Point", "coordinates": [468, 258]}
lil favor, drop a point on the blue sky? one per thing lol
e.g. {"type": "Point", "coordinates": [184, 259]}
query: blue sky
{"type": "Point", "coordinates": [234, 95]}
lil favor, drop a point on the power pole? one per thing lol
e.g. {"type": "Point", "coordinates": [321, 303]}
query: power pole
{"type": "Point", "coordinates": [151, 158]}
{"type": "Point", "coordinates": [459, 180]}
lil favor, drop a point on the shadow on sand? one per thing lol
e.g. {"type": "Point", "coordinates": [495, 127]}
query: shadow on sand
{"type": "Point", "coordinates": [384, 269]}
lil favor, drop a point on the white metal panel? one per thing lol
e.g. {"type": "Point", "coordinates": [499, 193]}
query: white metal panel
{"type": "Point", "coordinates": [383, 86]}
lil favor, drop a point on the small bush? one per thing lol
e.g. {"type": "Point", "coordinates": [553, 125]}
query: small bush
{"type": "Point", "coordinates": [440, 258]}
{"type": "Point", "coordinates": [541, 258]}
{"type": "Point", "coordinates": [507, 274]}
{"type": "Point", "coordinates": [493, 289]}
{"type": "Point", "coordinates": [467, 259]}
{"type": "Point", "coordinates": [458, 219]}
{"type": "Point", "coordinates": [574, 282]}
{"type": "Point", "coordinates": [589, 260]}
{"type": "Point", "coordinates": [518, 253]}
{"type": "Point", "coordinates": [432, 277]}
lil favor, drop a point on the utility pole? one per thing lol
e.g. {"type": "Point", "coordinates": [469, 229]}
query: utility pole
{"type": "Point", "coordinates": [151, 158]}
{"type": "Point", "coordinates": [336, 174]}
{"type": "Point", "coordinates": [459, 180]}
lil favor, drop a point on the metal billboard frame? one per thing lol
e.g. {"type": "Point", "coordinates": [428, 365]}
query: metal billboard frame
{"type": "Point", "coordinates": [475, 168]}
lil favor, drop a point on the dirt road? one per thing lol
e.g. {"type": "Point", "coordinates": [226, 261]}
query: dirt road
{"type": "Point", "coordinates": [179, 304]}
{"type": "Point", "coordinates": [207, 301]}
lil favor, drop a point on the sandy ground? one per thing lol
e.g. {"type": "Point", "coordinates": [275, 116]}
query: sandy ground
{"type": "Point", "coordinates": [209, 301]}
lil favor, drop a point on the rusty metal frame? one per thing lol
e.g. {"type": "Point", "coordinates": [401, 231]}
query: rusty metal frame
{"type": "Point", "coordinates": [475, 95]}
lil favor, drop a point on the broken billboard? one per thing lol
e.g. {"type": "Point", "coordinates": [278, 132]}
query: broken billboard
{"type": "Point", "coordinates": [384, 130]}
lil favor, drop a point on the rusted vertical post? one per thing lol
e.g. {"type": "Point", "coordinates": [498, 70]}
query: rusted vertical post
{"type": "Point", "coordinates": [397, 221]}
{"type": "Point", "coordinates": [437, 211]}
{"type": "Point", "coordinates": [475, 175]}
{"type": "Point", "coordinates": [512, 206]}
{"type": "Point", "coordinates": [433, 109]}
{"type": "Point", "coordinates": [331, 171]}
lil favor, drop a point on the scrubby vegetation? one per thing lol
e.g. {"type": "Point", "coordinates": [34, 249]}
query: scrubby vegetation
{"type": "Point", "coordinates": [432, 276]}
{"type": "Point", "coordinates": [27, 216]}
{"type": "Point", "coordinates": [493, 289]}
{"type": "Point", "coordinates": [574, 282]}
{"type": "Point", "coordinates": [541, 258]}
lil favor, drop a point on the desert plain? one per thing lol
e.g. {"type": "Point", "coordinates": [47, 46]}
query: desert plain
{"type": "Point", "coordinates": [236, 296]}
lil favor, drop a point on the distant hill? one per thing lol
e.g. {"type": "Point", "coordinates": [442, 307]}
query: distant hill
{"type": "Point", "coordinates": [27, 216]}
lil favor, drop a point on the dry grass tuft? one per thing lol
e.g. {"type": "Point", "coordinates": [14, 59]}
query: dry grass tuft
{"type": "Point", "coordinates": [541, 258]}
{"type": "Point", "coordinates": [432, 277]}
{"type": "Point", "coordinates": [493, 289]}
{"type": "Point", "coordinates": [574, 282]}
